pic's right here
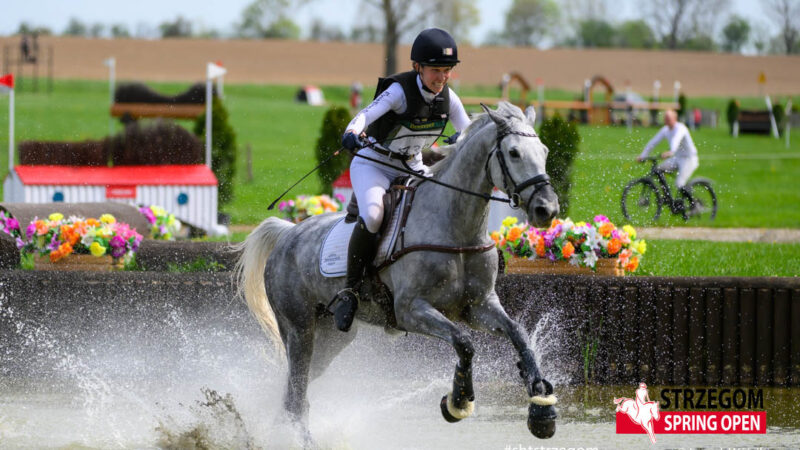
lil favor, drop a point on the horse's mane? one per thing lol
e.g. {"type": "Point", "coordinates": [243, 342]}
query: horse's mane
{"type": "Point", "coordinates": [505, 109]}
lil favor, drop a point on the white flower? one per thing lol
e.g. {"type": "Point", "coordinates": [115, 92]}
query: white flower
{"type": "Point", "coordinates": [590, 259]}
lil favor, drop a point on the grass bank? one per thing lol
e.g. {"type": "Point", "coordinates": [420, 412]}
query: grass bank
{"type": "Point", "coordinates": [757, 180]}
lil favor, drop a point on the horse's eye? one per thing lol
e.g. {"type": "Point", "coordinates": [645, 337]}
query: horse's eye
{"type": "Point", "coordinates": [514, 153]}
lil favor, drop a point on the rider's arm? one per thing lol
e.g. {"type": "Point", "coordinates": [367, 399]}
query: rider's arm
{"type": "Point", "coordinates": [661, 135]}
{"type": "Point", "coordinates": [392, 99]}
{"type": "Point", "coordinates": [458, 115]}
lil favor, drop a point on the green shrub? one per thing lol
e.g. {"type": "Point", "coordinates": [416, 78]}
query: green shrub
{"type": "Point", "coordinates": [732, 112]}
{"type": "Point", "coordinates": [682, 107]}
{"type": "Point", "coordinates": [223, 149]}
{"type": "Point", "coordinates": [562, 138]}
{"type": "Point", "coordinates": [330, 139]}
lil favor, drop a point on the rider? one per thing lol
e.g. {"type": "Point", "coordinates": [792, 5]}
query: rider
{"type": "Point", "coordinates": [408, 114]}
{"type": "Point", "coordinates": [682, 154]}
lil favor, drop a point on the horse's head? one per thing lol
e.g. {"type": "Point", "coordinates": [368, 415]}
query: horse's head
{"type": "Point", "coordinates": [516, 163]}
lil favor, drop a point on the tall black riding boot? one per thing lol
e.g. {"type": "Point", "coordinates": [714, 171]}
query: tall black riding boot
{"type": "Point", "coordinates": [360, 253]}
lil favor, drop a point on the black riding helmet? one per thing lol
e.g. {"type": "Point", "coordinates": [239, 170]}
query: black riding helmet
{"type": "Point", "coordinates": [435, 47]}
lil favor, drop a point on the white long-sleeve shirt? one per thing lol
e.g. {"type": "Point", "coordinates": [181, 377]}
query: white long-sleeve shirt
{"type": "Point", "coordinates": [394, 99]}
{"type": "Point", "coordinates": [679, 139]}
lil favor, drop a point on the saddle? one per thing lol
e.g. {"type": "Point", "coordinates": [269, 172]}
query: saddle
{"type": "Point", "coordinates": [333, 256]}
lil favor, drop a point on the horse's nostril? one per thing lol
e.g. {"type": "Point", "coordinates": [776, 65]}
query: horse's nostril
{"type": "Point", "coordinates": [541, 212]}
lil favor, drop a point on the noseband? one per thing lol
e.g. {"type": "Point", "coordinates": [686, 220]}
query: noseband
{"type": "Point", "coordinates": [513, 189]}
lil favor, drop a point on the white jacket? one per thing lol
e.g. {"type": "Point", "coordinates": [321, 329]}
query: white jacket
{"type": "Point", "coordinates": [679, 139]}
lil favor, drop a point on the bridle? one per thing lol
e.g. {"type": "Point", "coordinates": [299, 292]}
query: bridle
{"type": "Point", "coordinates": [513, 190]}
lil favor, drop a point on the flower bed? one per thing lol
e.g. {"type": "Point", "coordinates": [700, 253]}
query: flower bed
{"type": "Point", "coordinates": [580, 244]}
{"type": "Point", "coordinates": [305, 206]}
{"type": "Point", "coordinates": [57, 237]}
{"type": "Point", "coordinates": [163, 226]}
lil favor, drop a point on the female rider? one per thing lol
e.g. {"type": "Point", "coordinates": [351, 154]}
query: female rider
{"type": "Point", "coordinates": [408, 114]}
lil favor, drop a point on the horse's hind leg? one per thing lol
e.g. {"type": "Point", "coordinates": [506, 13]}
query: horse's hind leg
{"type": "Point", "coordinates": [489, 316]}
{"type": "Point", "coordinates": [419, 316]}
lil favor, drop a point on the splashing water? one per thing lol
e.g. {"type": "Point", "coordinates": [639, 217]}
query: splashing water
{"type": "Point", "coordinates": [154, 375]}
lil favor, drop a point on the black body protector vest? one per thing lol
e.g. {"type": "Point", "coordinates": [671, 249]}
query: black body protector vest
{"type": "Point", "coordinates": [419, 126]}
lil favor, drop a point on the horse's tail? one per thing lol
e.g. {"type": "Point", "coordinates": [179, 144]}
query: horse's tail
{"type": "Point", "coordinates": [249, 271]}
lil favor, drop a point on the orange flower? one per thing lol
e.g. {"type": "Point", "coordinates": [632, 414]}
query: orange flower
{"type": "Point", "coordinates": [567, 250]}
{"type": "Point", "coordinates": [92, 222]}
{"type": "Point", "coordinates": [514, 233]}
{"type": "Point", "coordinates": [495, 236]}
{"type": "Point", "coordinates": [633, 264]}
{"type": "Point", "coordinates": [540, 250]}
{"type": "Point", "coordinates": [606, 229]}
{"type": "Point", "coordinates": [41, 227]}
{"type": "Point", "coordinates": [613, 246]}
{"type": "Point", "coordinates": [69, 234]}
{"type": "Point", "coordinates": [62, 251]}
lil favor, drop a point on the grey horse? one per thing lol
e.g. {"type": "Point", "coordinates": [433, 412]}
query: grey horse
{"type": "Point", "coordinates": [278, 270]}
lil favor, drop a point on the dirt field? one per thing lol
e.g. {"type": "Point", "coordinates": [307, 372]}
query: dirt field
{"type": "Point", "coordinates": [294, 62]}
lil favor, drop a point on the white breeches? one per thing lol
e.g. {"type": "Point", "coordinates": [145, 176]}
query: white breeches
{"type": "Point", "coordinates": [684, 166]}
{"type": "Point", "coordinates": [371, 180]}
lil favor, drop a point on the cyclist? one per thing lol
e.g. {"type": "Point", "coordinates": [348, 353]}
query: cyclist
{"type": "Point", "coordinates": [682, 154]}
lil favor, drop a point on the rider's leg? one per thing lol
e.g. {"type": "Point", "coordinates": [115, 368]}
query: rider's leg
{"type": "Point", "coordinates": [686, 166]}
{"type": "Point", "coordinates": [369, 184]}
{"type": "Point", "coordinates": [360, 253]}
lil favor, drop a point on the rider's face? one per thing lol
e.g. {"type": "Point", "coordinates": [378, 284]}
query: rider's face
{"type": "Point", "coordinates": [670, 118]}
{"type": "Point", "coordinates": [434, 78]}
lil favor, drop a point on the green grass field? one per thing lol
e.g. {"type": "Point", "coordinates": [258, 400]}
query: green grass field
{"type": "Point", "coordinates": [756, 178]}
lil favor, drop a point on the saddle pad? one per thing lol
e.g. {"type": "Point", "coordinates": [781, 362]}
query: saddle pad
{"type": "Point", "coordinates": [333, 254]}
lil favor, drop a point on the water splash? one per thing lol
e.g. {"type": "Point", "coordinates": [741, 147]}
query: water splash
{"type": "Point", "coordinates": [547, 341]}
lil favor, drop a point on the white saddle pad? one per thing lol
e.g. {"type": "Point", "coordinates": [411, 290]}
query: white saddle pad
{"type": "Point", "coordinates": [333, 255]}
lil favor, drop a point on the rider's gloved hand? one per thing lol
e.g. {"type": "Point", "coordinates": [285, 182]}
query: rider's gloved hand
{"type": "Point", "coordinates": [351, 142]}
{"type": "Point", "coordinates": [452, 139]}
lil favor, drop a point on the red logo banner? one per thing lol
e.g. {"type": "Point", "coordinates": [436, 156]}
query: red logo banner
{"type": "Point", "coordinates": [121, 192]}
{"type": "Point", "coordinates": [694, 422]}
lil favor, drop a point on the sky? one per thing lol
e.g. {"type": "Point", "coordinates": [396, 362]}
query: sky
{"type": "Point", "coordinates": [216, 14]}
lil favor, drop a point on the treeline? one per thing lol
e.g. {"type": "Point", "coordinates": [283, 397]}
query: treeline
{"type": "Point", "coordinates": [705, 25]}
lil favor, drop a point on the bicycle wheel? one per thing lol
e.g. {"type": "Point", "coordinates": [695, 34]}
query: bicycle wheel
{"type": "Point", "coordinates": [704, 199]}
{"type": "Point", "coordinates": [640, 201]}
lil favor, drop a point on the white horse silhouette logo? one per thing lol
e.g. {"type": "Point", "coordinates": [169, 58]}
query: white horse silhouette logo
{"type": "Point", "coordinates": [641, 410]}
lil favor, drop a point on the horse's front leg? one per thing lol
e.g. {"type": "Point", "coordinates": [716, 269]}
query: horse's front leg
{"type": "Point", "coordinates": [489, 316]}
{"type": "Point", "coordinates": [418, 316]}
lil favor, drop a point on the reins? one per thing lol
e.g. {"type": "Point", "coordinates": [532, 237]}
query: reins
{"type": "Point", "coordinates": [486, 197]}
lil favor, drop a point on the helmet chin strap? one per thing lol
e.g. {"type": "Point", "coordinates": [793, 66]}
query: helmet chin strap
{"type": "Point", "coordinates": [422, 82]}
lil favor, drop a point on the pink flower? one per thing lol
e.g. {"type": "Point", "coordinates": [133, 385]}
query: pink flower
{"type": "Point", "coordinates": [148, 213]}
{"type": "Point", "coordinates": [600, 218]}
{"type": "Point", "coordinates": [31, 229]}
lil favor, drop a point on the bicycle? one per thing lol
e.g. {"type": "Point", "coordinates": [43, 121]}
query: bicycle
{"type": "Point", "coordinates": [642, 200]}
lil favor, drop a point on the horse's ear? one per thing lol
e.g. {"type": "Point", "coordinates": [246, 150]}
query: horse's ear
{"type": "Point", "coordinates": [496, 118]}
{"type": "Point", "coordinates": [530, 114]}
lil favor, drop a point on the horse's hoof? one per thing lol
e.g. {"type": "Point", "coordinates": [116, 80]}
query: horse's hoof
{"type": "Point", "coordinates": [542, 421]}
{"type": "Point", "coordinates": [453, 413]}
{"type": "Point", "coordinates": [446, 413]}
